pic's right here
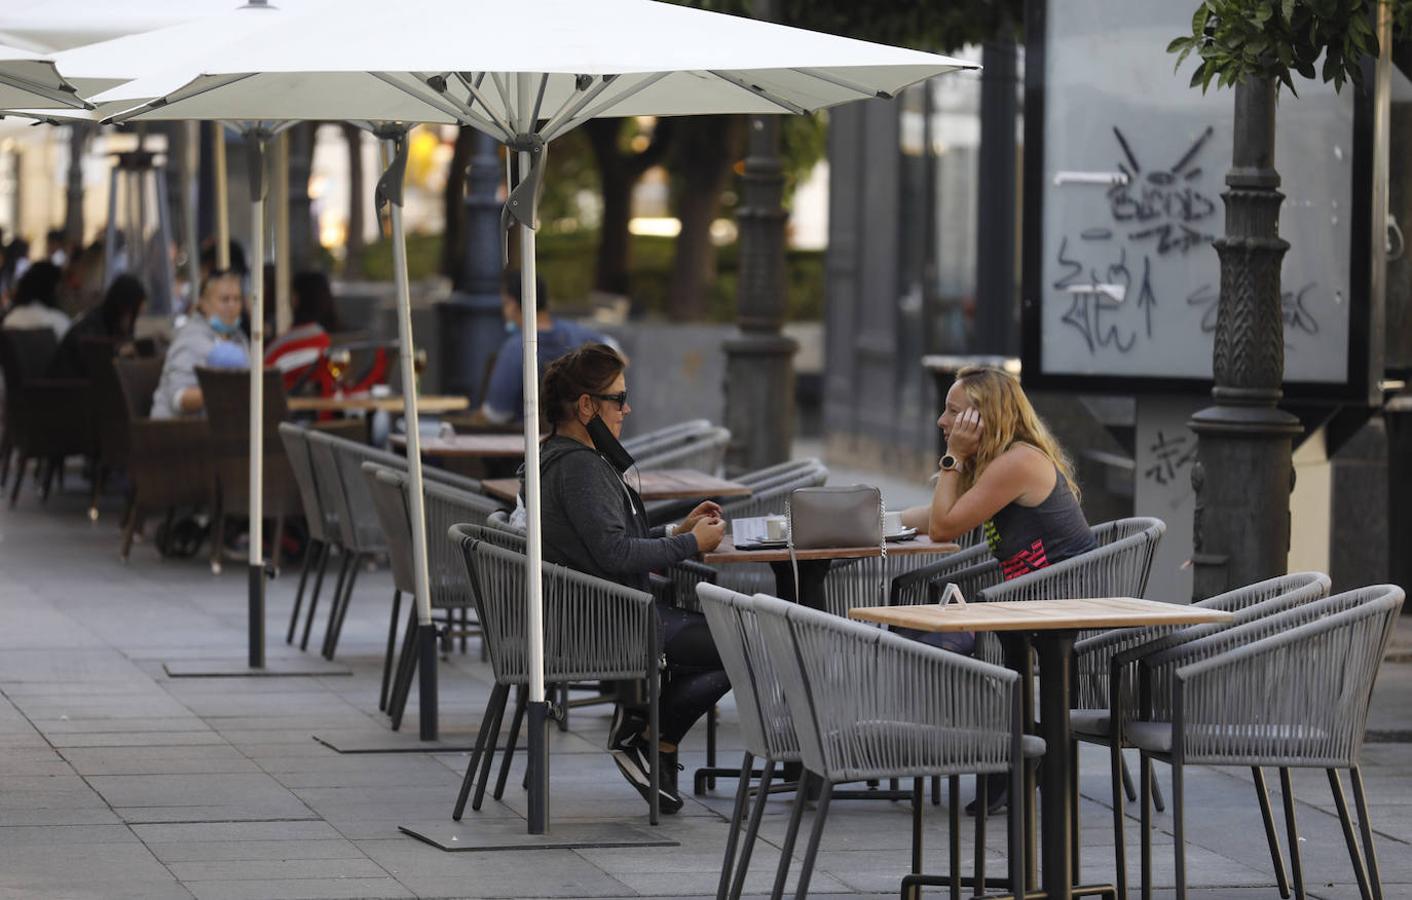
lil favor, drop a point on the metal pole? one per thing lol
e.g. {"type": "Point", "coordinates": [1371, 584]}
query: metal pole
{"type": "Point", "coordinates": [538, 708]}
{"type": "Point", "coordinates": [396, 144]}
{"type": "Point", "coordinates": [1244, 440]}
{"type": "Point", "coordinates": [283, 314]}
{"type": "Point", "coordinates": [759, 358]}
{"type": "Point", "coordinates": [193, 199]}
{"type": "Point", "coordinates": [257, 405]}
{"type": "Point", "coordinates": [218, 145]}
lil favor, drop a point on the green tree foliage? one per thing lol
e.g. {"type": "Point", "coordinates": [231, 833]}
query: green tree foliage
{"type": "Point", "coordinates": [1276, 39]}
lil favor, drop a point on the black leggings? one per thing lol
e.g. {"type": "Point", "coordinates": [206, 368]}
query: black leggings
{"type": "Point", "coordinates": [697, 680]}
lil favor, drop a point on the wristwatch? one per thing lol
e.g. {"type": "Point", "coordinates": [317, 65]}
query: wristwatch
{"type": "Point", "coordinates": [950, 463]}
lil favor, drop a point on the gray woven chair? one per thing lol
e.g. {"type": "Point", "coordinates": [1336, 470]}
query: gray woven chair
{"type": "Point", "coordinates": [644, 443]}
{"type": "Point", "coordinates": [593, 630]}
{"type": "Point", "coordinates": [321, 522]}
{"type": "Point", "coordinates": [450, 589]}
{"type": "Point", "coordinates": [1290, 690]}
{"type": "Point", "coordinates": [704, 451]}
{"type": "Point", "coordinates": [390, 504]}
{"type": "Point", "coordinates": [1107, 668]}
{"type": "Point", "coordinates": [868, 704]}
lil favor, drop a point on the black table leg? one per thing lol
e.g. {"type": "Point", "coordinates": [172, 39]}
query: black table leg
{"type": "Point", "coordinates": [1018, 658]}
{"type": "Point", "coordinates": [812, 575]}
{"type": "Point", "coordinates": [1056, 650]}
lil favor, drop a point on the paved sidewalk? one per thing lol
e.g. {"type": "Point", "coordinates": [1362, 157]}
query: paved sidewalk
{"type": "Point", "coordinates": [118, 781]}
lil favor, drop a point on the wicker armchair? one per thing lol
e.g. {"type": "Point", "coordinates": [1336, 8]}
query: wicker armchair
{"type": "Point", "coordinates": [169, 465]}
{"type": "Point", "coordinates": [321, 519]}
{"type": "Point", "coordinates": [46, 419]}
{"type": "Point", "coordinates": [704, 451]}
{"type": "Point", "coordinates": [390, 504]}
{"type": "Point", "coordinates": [1289, 690]}
{"type": "Point", "coordinates": [868, 704]}
{"type": "Point", "coordinates": [593, 630]}
{"type": "Point", "coordinates": [112, 449]}
{"type": "Point", "coordinates": [648, 442]}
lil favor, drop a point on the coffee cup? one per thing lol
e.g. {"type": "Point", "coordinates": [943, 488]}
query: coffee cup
{"type": "Point", "coordinates": [892, 522]}
{"type": "Point", "coordinates": [776, 528]}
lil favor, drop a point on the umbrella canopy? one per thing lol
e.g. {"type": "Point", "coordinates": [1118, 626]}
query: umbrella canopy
{"type": "Point", "coordinates": [30, 80]}
{"type": "Point", "coordinates": [54, 25]}
{"type": "Point", "coordinates": [524, 72]}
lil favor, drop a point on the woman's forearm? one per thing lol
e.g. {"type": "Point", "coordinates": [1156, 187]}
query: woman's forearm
{"type": "Point", "coordinates": [944, 497]}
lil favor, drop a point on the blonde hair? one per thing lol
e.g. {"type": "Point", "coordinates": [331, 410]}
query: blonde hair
{"type": "Point", "coordinates": [1007, 418]}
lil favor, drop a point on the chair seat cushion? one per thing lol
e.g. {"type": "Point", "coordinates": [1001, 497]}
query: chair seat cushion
{"type": "Point", "coordinates": [1218, 742]}
{"type": "Point", "coordinates": [882, 748]}
{"type": "Point", "coordinates": [1090, 722]}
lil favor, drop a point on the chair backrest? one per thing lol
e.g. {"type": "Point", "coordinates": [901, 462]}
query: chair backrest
{"type": "Point", "coordinates": [387, 491]}
{"type": "Point", "coordinates": [1117, 567]}
{"type": "Point", "coordinates": [868, 704]}
{"type": "Point", "coordinates": [1299, 696]}
{"type": "Point", "coordinates": [446, 564]}
{"type": "Point", "coordinates": [138, 379]}
{"type": "Point", "coordinates": [593, 629]}
{"type": "Point", "coordinates": [25, 353]}
{"type": "Point", "coordinates": [347, 490]}
{"type": "Point", "coordinates": [766, 727]}
{"type": "Point", "coordinates": [769, 498]}
{"type": "Point", "coordinates": [768, 475]}
{"type": "Point", "coordinates": [704, 451]}
{"type": "Point", "coordinates": [642, 444]}
{"type": "Point", "coordinates": [1095, 655]}
{"type": "Point", "coordinates": [226, 395]}
{"type": "Point", "coordinates": [110, 408]}
{"type": "Point", "coordinates": [296, 449]}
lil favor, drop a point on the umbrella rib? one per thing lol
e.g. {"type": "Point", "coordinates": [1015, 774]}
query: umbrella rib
{"type": "Point", "coordinates": [463, 108]}
{"type": "Point", "coordinates": [732, 78]}
{"type": "Point", "coordinates": [67, 97]}
{"type": "Point", "coordinates": [845, 83]}
{"type": "Point", "coordinates": [578, 120]}
{"type": "Point", "coordinates": [474, 90]}
{"type": "Point", "coordinates": [219, 82]}
{"type": "Point", "coordinates": [504, 98]}
{"type": "Point", "coordinates": [538, 102]}
{"type": "Point", "coordinates": [435, 101]}
{"type": "Point", "coordinates": [573, 103]}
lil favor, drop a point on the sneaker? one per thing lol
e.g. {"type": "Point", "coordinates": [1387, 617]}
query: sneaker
{"type": "Point", "coordinates": [626, 727]}
{"type": "Point", "coordinates": [633, 762]}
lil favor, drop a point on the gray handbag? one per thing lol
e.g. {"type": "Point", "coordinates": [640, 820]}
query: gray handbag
{"type": "Point", "coordinates": [834, 516]}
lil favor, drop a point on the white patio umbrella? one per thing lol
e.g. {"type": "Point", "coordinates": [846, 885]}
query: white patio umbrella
{"type": "Point", "coordinates": [526, 73]}
{"type": "Point", "coordinates": [29, 80]}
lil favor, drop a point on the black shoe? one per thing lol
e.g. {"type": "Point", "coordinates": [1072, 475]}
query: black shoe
{"type": "Point", "coordinates": [626, 727]}
{"type": "Point", "coordinates": [633, 760]}
{"type": "Point", "coordinates": [997, 794]}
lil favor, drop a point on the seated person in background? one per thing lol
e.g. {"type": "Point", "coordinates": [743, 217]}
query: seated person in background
{"type": "Point", "coordinates": [505, 395]}
{"type": "Point", "coordinates": [1002, 470]}
{"type": "Point", "coordinates": [215, 319]}
{"type": "Point", "coordinates": [595, 523]}
{"type": "Point", "coordinates": [115, 317]}
{"type": "Point", "coordinates": [299, 352]}
{"type": "Point", "coordinates": [36, 300]}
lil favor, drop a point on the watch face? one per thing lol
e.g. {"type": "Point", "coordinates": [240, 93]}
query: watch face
{"type": "Point", "coordinates": [948, 462]}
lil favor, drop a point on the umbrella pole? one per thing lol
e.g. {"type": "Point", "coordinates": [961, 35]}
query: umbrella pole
{"type": "Point", "coordinates": [218, 162]}
{"type": "Point", "coordinates": [538, 708]}
{"type": "Point", "coordinates": [257, 402]}
{"type": "Point", "coordinates": [390, 186]}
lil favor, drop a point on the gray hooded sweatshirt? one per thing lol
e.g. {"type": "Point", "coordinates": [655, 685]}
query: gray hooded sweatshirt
{"type": "Point", "coordinates": [594, 523]}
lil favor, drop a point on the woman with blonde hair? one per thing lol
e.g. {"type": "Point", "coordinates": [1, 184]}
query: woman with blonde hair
{"type": "Point", "coordinates": [1004, 471]}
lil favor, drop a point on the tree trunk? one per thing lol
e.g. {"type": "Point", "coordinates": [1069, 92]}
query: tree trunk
{"type": "Point", "coordinates": [303, 230]}
{"type": "Point", "coordinates": [357, 202]}
{"type": "Point", "coordinates": [700, 166]}
{"type": "Point", "coordinates": [453, 208]}
{"type": "Point", "coordinates": [616, 181]}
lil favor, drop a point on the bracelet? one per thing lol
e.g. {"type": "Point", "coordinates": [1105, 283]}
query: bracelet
{"type": "Point", "coordinates": [671, 529]}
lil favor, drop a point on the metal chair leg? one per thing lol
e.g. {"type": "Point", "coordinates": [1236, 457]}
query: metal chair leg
{"type": "Point", "coordinates": [314, 600]}
{"type": "Point", "coordinates": [1370, 852]}
{"type": "Point", "coordinates": [1295, 866]}
{"type": "Point", "coordinates": [711, 721]}
{"type": "Point", "coordinates": [391, 649]}
{"type": "Point", "coordinates": [1272, 837]}
{"type": "Point", "coordinates": [406, 668]}
{"type": "Point", "coordinates": [488, 754]}
{"type": "Point", "coordinates": [1118, 777]}
{"type": "Point", "coordinates": [654, 737]}
{"type": "Point", "coordinates": [742, 791]}
{"type": "Point", "coordinates": [936, 790]}
{"type": "Point", "coordinates": [801, 795]}
{"type": "Point", "coordinates": [1179, 828]}
{"type": "Point", "coordinates": [762, 793]}
{"type": "Point", "coordinates": [19, 480]}
{"type": "Point", "coordinates": [1355, 856]}
{"type": "Point", "coordinates": [1074, 842]}
{"type": "Point", "coordinates": [314, 550]}
{"type": "Point", "coordinates": [811, 852]}
{"type": "Point", "coordinates": [336, 622]}
{"type": "Point", "coordinates": [473, 764]}
{"type": "Point", "coordinates": [1144, 779]}
{"type": "Point", "coordinates": [1157, 802]}
{"type": "Point", "coordinates": [982, 801]}
{"type": "Point", "coordinates": [919, 799]}
{"type": "Point", "coordinates": [953, 838]}
{"type": "Point", "coordinates": [521, 698]}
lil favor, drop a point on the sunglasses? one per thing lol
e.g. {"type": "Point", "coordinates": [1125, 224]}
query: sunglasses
{"type": "Point", "coordinates": [620, 398]}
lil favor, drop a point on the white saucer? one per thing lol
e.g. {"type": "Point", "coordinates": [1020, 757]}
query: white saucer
{"type": "Point", "coordinates": [903, 535]}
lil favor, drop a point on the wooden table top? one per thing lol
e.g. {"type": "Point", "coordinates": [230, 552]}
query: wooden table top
{"type": "Point", "coordinates": [660, 484]}
{"type": "Point", "coordinates": [470, 445]}
{"type": "Point", "coordinates": [1040, 615]}
{"type": "Point", "coordinates": [393, 403]}
{"type": "Point", "coordinates": [921, 545]}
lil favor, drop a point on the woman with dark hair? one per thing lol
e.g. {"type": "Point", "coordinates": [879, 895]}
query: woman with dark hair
{"type": "Point", "coordinates": [37, 299]}
{"type": "Point", "coordinates": [115, 317]}
{"type": "Point", "coordinates": [297, 352]}
{"type": "Point", "coordinates": [595, 522]}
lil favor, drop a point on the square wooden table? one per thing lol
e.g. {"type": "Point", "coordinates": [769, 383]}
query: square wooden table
{"type": "Point", "coordinates": [657, 484]}
{"type": "Point", "coordinates": [429, 404]}
{"type": "Point", "coordinates": [1051, 625]}
{"type": "Point", "coordinates": [469, 446]}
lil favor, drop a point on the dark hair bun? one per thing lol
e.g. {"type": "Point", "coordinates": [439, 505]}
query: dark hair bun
{"type": "Point", "coordinates": [590, 369]}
